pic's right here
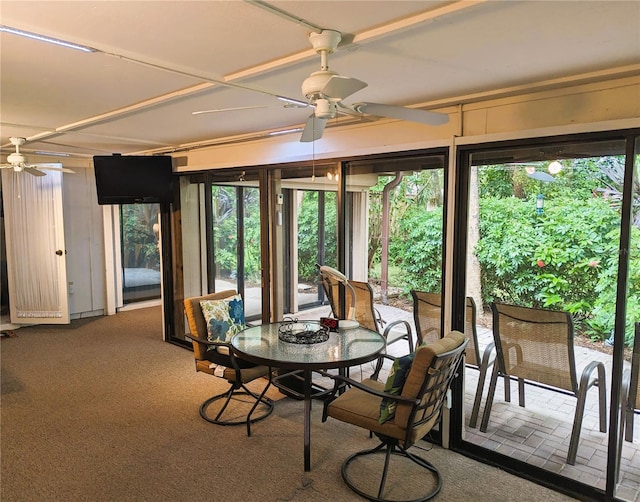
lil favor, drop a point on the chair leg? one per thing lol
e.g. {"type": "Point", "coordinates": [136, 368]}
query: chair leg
{"type": "Point", "coordinates": [475, 411]}
{"type": "Point", "coordinates": [391, 448]}
{"type": "Point", "coordinates": [507, 388]}
{"type": "Point", "coordinates": [628, 429]}
{"type": "Point", "coordinates": [227, 396]}
{"type": "Point", "coordinates": [484, 365]}
{"type": "Point", "coordinates": [521, 392]}
{"type": "Point", "coordinates": [383, 480]}
{"type": "Point", "coordinates": [261, 399]}
{"type": "Point", "coordinates": [205, 405]}
{"type": "Point", "coordinates": [490, 396]}
{"type": "Point", "coordinates": [582, 398]}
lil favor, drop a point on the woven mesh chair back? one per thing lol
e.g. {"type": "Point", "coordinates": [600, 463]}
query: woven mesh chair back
{"type": "Point", "coordinates": [364, 310]}
{"type": "Point", "coordinates": [427, 316]}
{"type": "Point", "coordinates": [365, 313]}
{"type": "Point", "coordinates": [535, 344]}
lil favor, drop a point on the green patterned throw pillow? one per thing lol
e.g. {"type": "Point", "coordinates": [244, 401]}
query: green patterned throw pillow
{"type": "Point", "coordinates": [224, 318]}
{"type": "Point", "coordinates": [394, 384]}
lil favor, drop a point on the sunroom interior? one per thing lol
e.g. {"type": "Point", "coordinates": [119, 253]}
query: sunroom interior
{"type": "Point", "coordinates": [466, 209]}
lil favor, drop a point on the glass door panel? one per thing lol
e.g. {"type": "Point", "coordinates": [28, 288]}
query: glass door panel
{"type": "Point", "coordinates": [315, 241]}
{"type": "Point", "coordinates": [394, 233]}
{"type": "Point", "coordinates": [543, 233]}
{"type": "Point", "coordinates": [628, 487]}
{"type": "Point", "coordinates": [306, 214]}
{"type": "Point", "coordinates": [140, 228]}
{"type": "Point", "coordinates": [235, 243]}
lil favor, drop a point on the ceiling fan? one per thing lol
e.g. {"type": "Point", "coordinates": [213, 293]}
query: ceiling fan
{"type": "Point", "coordinates": [19, 163]}
{"type": "Point", "coordinates": [325, 90]}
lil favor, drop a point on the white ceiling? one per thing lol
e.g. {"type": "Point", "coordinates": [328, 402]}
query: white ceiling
{"type": "Point", "coordinates": [158, 61]}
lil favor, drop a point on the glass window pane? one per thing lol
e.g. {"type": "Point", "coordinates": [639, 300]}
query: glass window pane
{"type": "Point", "coordinates": [543, 234]}
{"type": "Point", "coordinates": [140, 229]}
{"type": "Point", "coordinates": [628, 487]}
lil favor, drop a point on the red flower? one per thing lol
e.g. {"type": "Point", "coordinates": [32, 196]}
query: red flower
{"type": "Point", "coordinates": [540, 263]}
{"type": "Point", "coordinates": [594, 263]}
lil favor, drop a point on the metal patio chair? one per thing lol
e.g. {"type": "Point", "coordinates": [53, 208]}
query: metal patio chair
{"type": "Point", "coordinates": [631, 388]}
{"type": "Point", "coordinates": [217, 359]}
{"type": "Point", "coordinates": [427, 314]}
{"type": "Point", "coordinates": [536, 345]}
{"type": "Point", "coordinates": [417, 404]}
{"type": "Point", "coordinates": [361, 307]}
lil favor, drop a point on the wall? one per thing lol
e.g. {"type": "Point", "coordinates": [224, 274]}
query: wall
{"type": "Point", "coordinates": [595, 102]}
{"type": "Point", "coordinates": [571, 109]}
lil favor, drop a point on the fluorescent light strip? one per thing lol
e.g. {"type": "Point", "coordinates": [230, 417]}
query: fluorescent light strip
{"type": "Point", "coordinates": [43, 38]}
{"type": "Point", "coordinates": [285, 131]}
{"type": "Point", "coordinates": [53, 154]}
{"type": "Point", "coordinates": [292, 101]}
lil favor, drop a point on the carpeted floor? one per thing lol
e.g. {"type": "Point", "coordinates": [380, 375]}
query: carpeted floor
{"type": "Point", "coordinates": [104, 410]}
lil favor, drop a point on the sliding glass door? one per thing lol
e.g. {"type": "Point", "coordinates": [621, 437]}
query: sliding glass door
{"type": "Point", "coordinates": [544, 233]}
{"type": "Point", "coordinates": [235, 243]}
{"type": "Point", "coordinates": [140, 237]}
{"type": "Point", "coordinates": [394, 231]}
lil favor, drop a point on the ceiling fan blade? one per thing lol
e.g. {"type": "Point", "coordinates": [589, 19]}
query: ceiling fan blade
{"type": "Point", "coordinates": [53, 167]}
{"type": "Point", "coordinates": [34, 171]}
{"type": "Point", "coordinates": [402, 113]}
{"type": "Point", "coordinates": [339, 87]}
{"type": "Point", "coordinates": [233, 109]}
{"type": "Point", "coordinates": [313, 129]}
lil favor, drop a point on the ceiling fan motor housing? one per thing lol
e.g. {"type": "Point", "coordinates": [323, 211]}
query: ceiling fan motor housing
{"type": "Point", "coordinates": [323, 43]}
{"type": "Point", "coordinates": [314, 83]}
{"type": "Point", "coordinates": [15, 159]}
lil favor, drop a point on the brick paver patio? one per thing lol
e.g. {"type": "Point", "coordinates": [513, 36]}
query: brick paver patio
{"type": "Point", "coordinates": [539, 433]}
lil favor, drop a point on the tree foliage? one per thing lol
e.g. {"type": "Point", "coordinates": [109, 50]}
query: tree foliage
{"type": "Point", "coordinates": [140, 242]}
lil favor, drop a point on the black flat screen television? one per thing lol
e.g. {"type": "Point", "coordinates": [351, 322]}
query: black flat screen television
{"type": "Point", "coordinates": [133, 179]}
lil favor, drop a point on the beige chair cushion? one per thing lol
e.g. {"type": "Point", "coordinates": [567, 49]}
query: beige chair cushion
{"type": "Point", "coordinates": [196, 320]}
{"type": "Point", "coordinates": [362, 409]}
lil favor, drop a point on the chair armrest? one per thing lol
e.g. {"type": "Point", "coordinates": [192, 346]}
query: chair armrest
{"type": "Point", "coordinates": [206, 342]}
{"type": "Point", "coordinates": [379, 320]}
{"type": "Point", "coordinates": [486, 354]}
{"type": "Point", "coordinates": [227, 346]}
{"type": "Point", "coordinates": [339, 381]}
{"type": "Point", "coordinates": [380, 363]}
{"type": "Point", "coordinates": [408, 334]}
{"type": "Point", "coordinates": [390, 326]}
{"type": "Point", "coordinates": [585, 378]}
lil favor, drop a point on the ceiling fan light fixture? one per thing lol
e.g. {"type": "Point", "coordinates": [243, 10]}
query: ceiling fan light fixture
{"type": "Point", "coordinates": [325, 109]}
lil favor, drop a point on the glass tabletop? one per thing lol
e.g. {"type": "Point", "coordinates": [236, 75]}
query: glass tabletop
{"type": "Point", "coordinates": [347, 347]}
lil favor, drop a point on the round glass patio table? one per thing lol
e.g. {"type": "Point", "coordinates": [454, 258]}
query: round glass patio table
{"type": "Point", "coordinates": [347, 347]}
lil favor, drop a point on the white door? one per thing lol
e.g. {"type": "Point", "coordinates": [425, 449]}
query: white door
{"type": "Point", "coordinates": [36, 261]}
